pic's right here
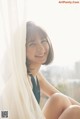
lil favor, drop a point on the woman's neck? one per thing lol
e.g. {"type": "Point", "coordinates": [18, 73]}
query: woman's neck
{"type": "Point", "coordinates": [34, 68]}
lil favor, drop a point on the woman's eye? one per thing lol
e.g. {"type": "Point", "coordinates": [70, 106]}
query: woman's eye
{"type": "Point", "coordinates": [44, 41]}
{"type": "Point", "coordinates": [31, 44]}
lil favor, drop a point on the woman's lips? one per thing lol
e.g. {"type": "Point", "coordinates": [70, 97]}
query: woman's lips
{"type": "Point", "coordinates": [42, 55]}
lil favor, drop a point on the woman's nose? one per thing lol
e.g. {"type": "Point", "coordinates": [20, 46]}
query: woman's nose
{"type": "Point", "coordinates": [40, 48]}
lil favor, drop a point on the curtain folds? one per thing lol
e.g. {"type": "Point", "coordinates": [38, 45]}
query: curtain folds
{"type": "Point", "coordinates": [16, 96]}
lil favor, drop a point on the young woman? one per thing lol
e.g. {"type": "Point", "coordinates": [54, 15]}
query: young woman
{"type": "Point", "coordinates": [39, 52]}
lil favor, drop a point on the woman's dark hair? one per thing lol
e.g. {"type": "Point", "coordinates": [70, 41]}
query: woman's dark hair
{"type": "Point", "coordinates": [32, 29]}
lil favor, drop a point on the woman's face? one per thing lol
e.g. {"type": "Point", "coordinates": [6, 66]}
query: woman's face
{"type": "Point", "coordinates": [37, 50]}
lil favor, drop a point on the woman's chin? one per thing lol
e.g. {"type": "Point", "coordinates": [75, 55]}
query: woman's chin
{"type": "Point", "coordinates": [41, 61]}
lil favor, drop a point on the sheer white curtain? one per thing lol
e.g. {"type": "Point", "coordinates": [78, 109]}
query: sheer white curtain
{"type": "Point", "coordinates": [16, 96]}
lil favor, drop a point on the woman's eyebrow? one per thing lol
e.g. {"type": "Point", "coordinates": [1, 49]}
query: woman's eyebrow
{"type": "Point", "coordinates": [31, 41]}
{"type": "Point", "coordinates": [43, 38]}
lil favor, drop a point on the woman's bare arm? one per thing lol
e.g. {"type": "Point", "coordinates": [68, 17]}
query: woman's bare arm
{"type": "Point", "coordinates": [48, 89]}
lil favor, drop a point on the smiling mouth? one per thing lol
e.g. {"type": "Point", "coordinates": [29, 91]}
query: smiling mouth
{"type": "Point", "coordinates": [40, 56]}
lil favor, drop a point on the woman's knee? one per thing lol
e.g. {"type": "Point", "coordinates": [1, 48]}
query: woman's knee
{"type": "Point", "coordinates": [60, 99]}
{"type": "Point", "coordinates": [56, 104]}
{"type": "Point", "coordinates": [72, 112]}
{"type": "Point", "coordinates": [74, 109]}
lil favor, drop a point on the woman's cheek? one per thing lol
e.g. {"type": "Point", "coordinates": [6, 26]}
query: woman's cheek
{"type": "Point", "coordinates": [47, 48]}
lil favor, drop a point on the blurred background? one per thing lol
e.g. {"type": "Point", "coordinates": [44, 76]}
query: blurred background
{"type": "Point", "coordinates": [62, 23]}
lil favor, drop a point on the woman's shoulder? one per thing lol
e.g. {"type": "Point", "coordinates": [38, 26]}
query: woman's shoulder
{"type": "Point", "coordinates": [40, 76]}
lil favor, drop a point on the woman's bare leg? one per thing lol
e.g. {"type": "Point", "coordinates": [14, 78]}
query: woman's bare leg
{"type": "Point", "coordinates": [73, 112]}
{"type": "Point", "coordinates": [55, 106]}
